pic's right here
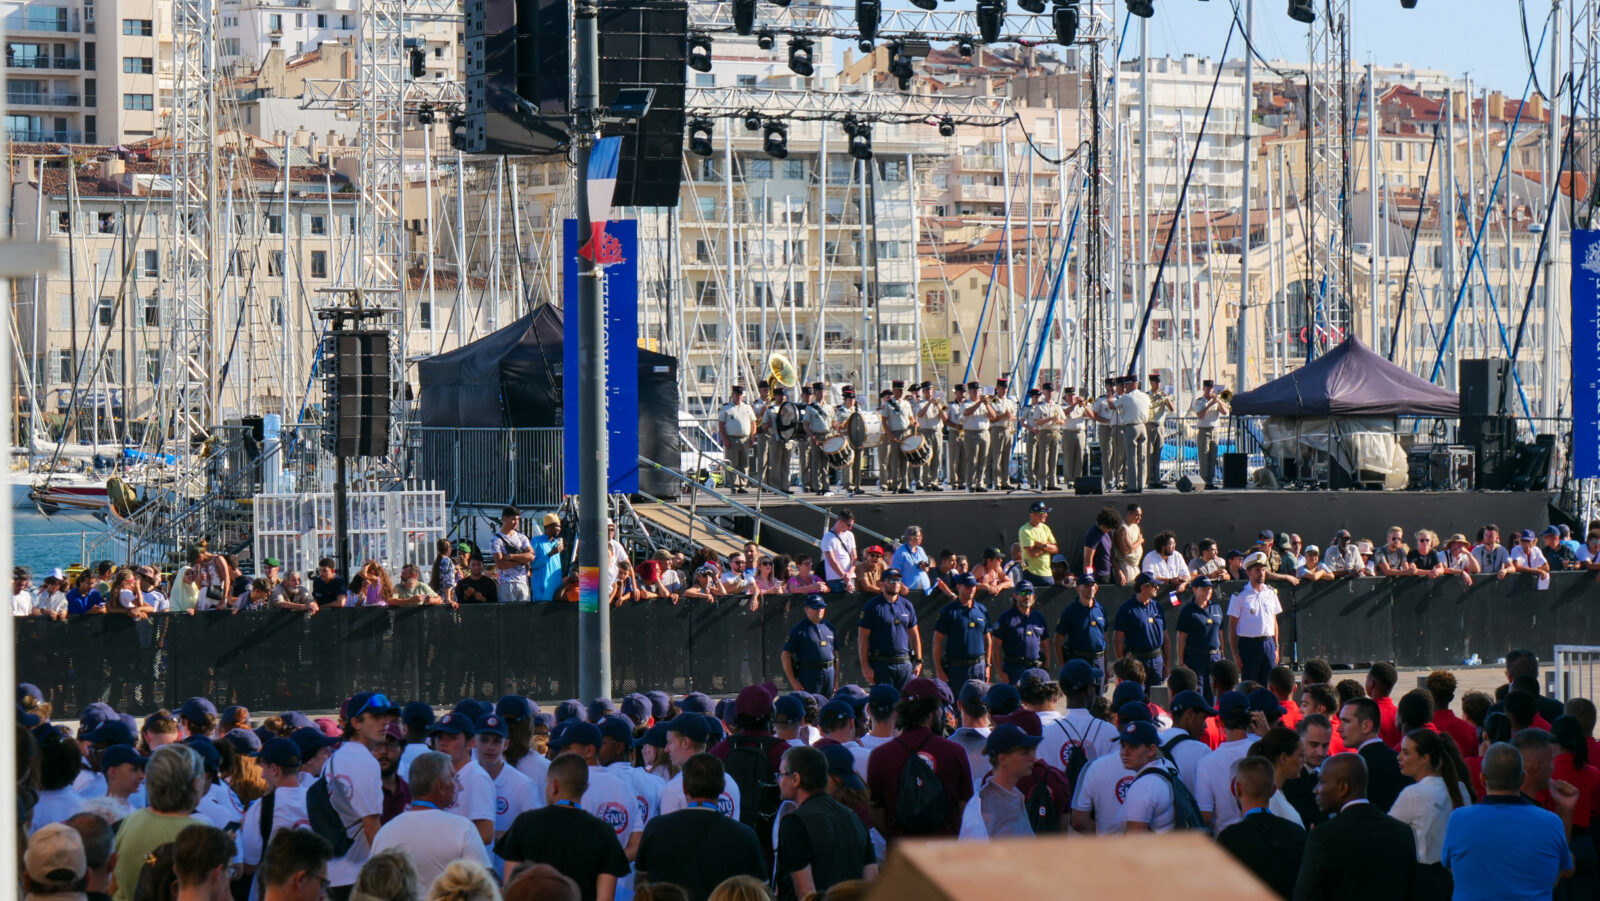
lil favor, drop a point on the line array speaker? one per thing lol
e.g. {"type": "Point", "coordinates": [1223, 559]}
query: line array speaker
{"type": "Point", "coordinates": [356, 393]}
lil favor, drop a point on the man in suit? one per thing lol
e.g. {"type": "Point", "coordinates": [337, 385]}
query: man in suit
{"type": "Point", "coordinates": [1359, 723]}
{"type": "Point", "coordinates": [1269, 846]}
{"type": "Point", "coordinates": [1362, 854]}
{"type": "Point", "coordinates": [1301, 791]}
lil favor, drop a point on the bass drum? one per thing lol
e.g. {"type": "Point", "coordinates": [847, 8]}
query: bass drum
{"type": "Point", "coordinates": [838, 452]}
{"type": "Point", "coordinates": [787, 421]}
{"type": "Point", "coordinates": [918, 450]}
{"type": "Point", "coordinates": [865, 429]}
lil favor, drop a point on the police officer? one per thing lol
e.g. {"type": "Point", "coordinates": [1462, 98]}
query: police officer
{"type": "Point", "coordinates": [899, 423]}
{"type": "Point", "coordinates": [976, 417]}
{"type": "Point", "coordinates": [1199, 633]}
{"type": "Point", "coordinates": [1003, 434]}
{"type": "Point", "coordinates": [809, 653]}
{"type": "Point", "coordinates": [1081, 631]}
{"type": "Point", "coordinates": [1020, 638]}
{"type": "Point", "coordinates": [736, 423]}
{"type": "Point", "coordinates": [779, 447]}
{"type": "Point", "coordinates": [1138, 630]}
{"type": "Point", "coordinates": [890, 643]}
{"type": "Point", "coordinates": [961, 636]}
{"type": "Point", "coordinates": [930, 425]}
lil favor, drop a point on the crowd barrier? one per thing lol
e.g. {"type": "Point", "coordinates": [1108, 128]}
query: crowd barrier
{"type": "Point", "coordinates": [275, 661]}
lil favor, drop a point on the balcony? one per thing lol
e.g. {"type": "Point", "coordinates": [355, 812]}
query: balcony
{"type": "Point", "coordinates": [43, 25]}
{"type": "Point", "coordinates": [27, 136]}
{"type": "Point", "coordinates": [28, 98]}
{"type": "Point", "coordinates": [989, 193]}
{"type": "Point", "coordinates": [979, 162]}
{"type": "Point", "coordinates": [44, 62]}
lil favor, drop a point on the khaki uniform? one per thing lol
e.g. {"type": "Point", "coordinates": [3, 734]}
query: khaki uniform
{"type": "Point", "coordinates": [955, 418]}
{"type": "Point", "coordinates": [1155, 430]}
{"type": "Point", "coordinates": [1206, 436]}
{"type": "Point", "coordinates": [762, 440]}
{"type": "Point", "coordinates": [852, 474]}
{"type": "Point", "coordinates": [1047, 446]}
{"type": "Point", "coordinates": [738, 422]}
{"type": "Point", "coordinates": [1002, 434]}
{"type": "Point", "coordinates": [930, 425]}
{"type": "Point", "coordinates": [779, 451]}
{"type": "Point", "coordinates": [817, 420]}
{"type": "Point", "coordinates": [976, 438]}
{"type": "Point", "coordinates": [1110, 441]}
{"type": "Point", "coordinates": [1074, 448]}
{"type": "Point", "coordinates": [1133, 412]}
{"type": "Point", "coordinates": [898, 422]}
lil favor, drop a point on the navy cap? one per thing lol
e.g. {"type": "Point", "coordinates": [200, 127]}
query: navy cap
{"type": "Point", "coordinates": [1125, 692]}
{"type": "Point", "coordinates": [836, 713]}
{"type": "Point", "coordinates": [1202, 582]}
{"type": "Point", "coordinates": [111, 732]}
{"type": "Point", "coordinates": [1009, 737]}
{"type": "Point", "coordinates": [577, 732]}
{"type": "Point", "coordinates": [973, 690]}
{"type": "Point", "coordinates": [93, 715]}
{"type": "Point", "coordinates": [851, 692]}
{"type": "Point", "coordinates": [1138, 732]}
{"type": "Point", "coordinates": [1023, 586]}
{"type": "Point", "coordinates": [491, 724]}
{"type": "Point", "coordinates": [842, 763]}
{"type": "Point", "coordinates": [923, 688]}
{"type": "Point", "coordinates": [723, 709]}
{"type": "Point", "coordinates": [1264, 700]}
{"type": "Point", "coordinates": [1550, 530]}
{"type": "Point", "coordinates": [207, 751]}
{"type": "Point", "coordinates": [636, 707]}
{"type": "Point", "coordinates": [1036, 674]}
{"type": "Point", "coordinates": [310, 740]}
{"type": "Point", "coordinates": [547, 720]}
{"type": "Point", "coordinates": [369, 702]}
{"type": "Point", "coordinates": [1191, 700]}
{"type": "Point", "coordinates": [883, 696]}
{"type": "Point", "coordinates": [232, 714]}
{"type": "Point", "coordinates": [265, 734]}
{"type": "Point", "coordinates": [197, 709]}
{"type": "Point", "coordinates": [618, 728]}
{"type": "Point", "coordinates": [452, 723]}
{"type": "Point", "coordinates": [569, 710]}
{"type": "Point", "coordinates": [1076, 675]}
{"type": "Point", "coordinates": [660, 703]}
{"type": "Point", "coordinates": [655, 736]}
{"type": "Point", "coordinates": [788, 709]}
{"type": "Point", "coordinates": [117, 755]}
{"type": "Point", "coordinates": [696, 727]}
{"type": "Point", "coordinates": [967, 580]}
{"type": "Point", "coordinates": [1231, 700]}
{"type": "Point", "coordinates": [29, 690]}
{"type": "Point", "coordinates": [1134, 710]}
{"type": "Point", "coordinates": [515, 708]}
{"type": "Point", "coordinates": [1527, 535]}
{"type": "Point", "coordinates": [816, 602]}
{"type": "Point", "coordinates": [281, 752]}
{"type": "Point", "coordinates": [1085, 580]}
{"type": "Point", "coordinates": [471, 709]}
{"type": "Point", "coordinates": [1002, 698]}
{"type": "Point", "coordinates": [600, 708]}
{"type": "Point", "coordinates": [1038, 507]}
{"type": "Point", "coordinates": [891, 573]}
{"type": "Point", "coordinates": [244, 741]}
{"type": "Point", "coordinates": [1143, 580]}
{"type": "Point", "coordinates": [696, 702]}
{"type": "Point", "coordinates": [294, 719]}
{"type": "Point", "coordinates": [1265, 535]}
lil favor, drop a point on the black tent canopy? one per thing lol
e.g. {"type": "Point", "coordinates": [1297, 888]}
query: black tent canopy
{"type": "Point", "coordinates": [1349, 380]}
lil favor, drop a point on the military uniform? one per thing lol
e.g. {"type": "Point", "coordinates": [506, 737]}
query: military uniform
{"type": "Point", "coordinates": [930, 425]}
{"type": "Point", "coordinates": [899, 420]}
{"type": "Point", "coordinates": [779, 448]}
{"type": "Point", "coordinates": [1003, 432]}
{"type": "Point", "coordinates": [1109, 439]}
{"type": "Point", "coordinates": [975, 436]}
{"type": "Point", "coordinates": [811, 648]}
{"type": "Point", "coordinates": [1207, 412]}
{"type": "Point", "coordinates": [850, 478]}
{"type": "Point", "coordinates": [1155, 429]}
{"type": "Point", "coordinates": [763, 437]}
{"type": "Point", "coordinates": [737, 421]}
{"type": "Point", "coordinates": [1133, 411]}
{"type": "Point", "coordinates": [1028, 424]}
{"type": "Point", "coordinates": [966, 638]}
{"type": "Point", "coordinates": [1047, 453]}
{"type": "Point", "coordinates": [955, 418]}
{"type": "Point", "coordinates": [818, 422]}
{"type": "Point", "coordinates": [1073, 445]}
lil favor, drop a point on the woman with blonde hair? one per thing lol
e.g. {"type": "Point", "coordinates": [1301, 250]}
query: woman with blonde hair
{"type": "Point", "coordinates": [387, 876]}
{"type": "Point", "coordinates": [464, 880]}
{"type": "Point", "coordinates": [740, 888]}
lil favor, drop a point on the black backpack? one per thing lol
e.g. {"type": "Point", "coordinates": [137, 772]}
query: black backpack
{"type": "Point", "coordinates": [1173, 742]}
{"type": "Point", "coordinates": [325, 820]}
{"type": "Point", "coordinates": [1043, 814]}
{"type": "Point", "coordinates": [1185, 811]}
{"type": "Point", "coordinates": [922, 807]}
{"type": "Point", "coordinates": [750, 769]}
{"type": "Point", "coordinates": [1077, 758]}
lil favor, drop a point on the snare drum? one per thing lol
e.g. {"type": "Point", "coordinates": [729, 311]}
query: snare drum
{"type": "Point", "coordinates": [918, 450]}
{"type": "Point", "coordinates": [865, 429]}
{"type": "Point", "coordinates": [838, 452]}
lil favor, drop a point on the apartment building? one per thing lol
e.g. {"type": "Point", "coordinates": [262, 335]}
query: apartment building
{"type": "Point", "coordinates": [250, 29]}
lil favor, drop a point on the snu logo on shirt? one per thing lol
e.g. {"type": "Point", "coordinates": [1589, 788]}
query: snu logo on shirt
{"type": "Point", "coordinates": [615, 815]}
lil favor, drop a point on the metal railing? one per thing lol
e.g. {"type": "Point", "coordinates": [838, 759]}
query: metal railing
{"type": "Point", "coordinates": [762, 520]}
{"type": "Point", "coordinates": [492, 467]}
{"type": "Point", "coordinates": [44, 62]}
{"type": "Point", "coordinates": [44, 136]}
{"type": "Point", "coordinates": [23, 23]}
{"type": "Point", "coordinates": [40, 98]}
{"type": "Point", "coordinates": [1577, 672]}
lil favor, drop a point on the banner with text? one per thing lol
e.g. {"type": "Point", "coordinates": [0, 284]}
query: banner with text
{"type": "Point", "coordinates": [619, 292]}
{"type": "Point", "coordinates": [1585, 353]}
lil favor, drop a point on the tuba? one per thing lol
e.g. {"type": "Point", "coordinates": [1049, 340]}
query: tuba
{"type": "Point", "coordinates": [781, 372]}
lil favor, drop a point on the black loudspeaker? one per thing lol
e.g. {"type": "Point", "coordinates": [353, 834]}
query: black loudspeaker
{"type": "Point", "coordinates": [641, 46]}
{"type": "Point", "coordinates": [1235, 470]}
{"type": "Point", "coordinates": [356, 393]}
{"type": "Point", "coordinates": [1494, 439]}
{"type": "Point", "coordinates": [1096, 461]}
{"type": "Point", "coordinates": [1483, 386]}
{"type": "Point", "coordinates": [1088, 485]}
{"type": "Point", "coordinates": [1531, 466]}
{"type": "Point", "coordinates": [1191, 483]}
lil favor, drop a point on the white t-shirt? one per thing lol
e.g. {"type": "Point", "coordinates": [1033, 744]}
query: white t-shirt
{"type": "Point", "coordinates": [870, 741]}
{"type": "Point", "coordinates": [1149, 799]}
{"type": "Point", "coordinates": [1279, 806]}
{"type": "Point", "coordinates": [474, 794]}
{"type": "Point", "coordinates": [613, 801]}
{"type": "Point", "coordinates": [673, 800]}
{"type": "Point", "coordinates": [54, 806]}
{"type": "Point", "coordinates": [646, 788]}
{"type": "Point", "coordinates": [22, 603]}
{"type": "Point", "coordinates": [1187, 754]}
{"type": "Point", "coordinates": [1098, 738]}
{"type": "Point", "coordinates": [157, 600]}
{"type": "Point", "coordinates": [514, 793]}
{"type": "Point", "coordinates": [434, 839]}
{"type": "Point", "coordinates": [835, 544]}
{"type": "Point", "coordinates": [408, 755]}
{"type": "Point", "coordinates": [288, 812]}
{"type": "Point", "coordinates": [53, 602]}
{"type": "Point", "coordinates": [1101, 789]}
{"type": "Point", "coordinates": [1161, 567]}
{"type": "Point", "coordinates": [221, 806]}
{"type": "Point", "coordinates": [1532, 557]}
{"type": "Point", "coordinates": [537, 768]}
{"type": "Point", "coordinates": [1214, 790]}
{"type": "Point", "coordinates": [355, 783]}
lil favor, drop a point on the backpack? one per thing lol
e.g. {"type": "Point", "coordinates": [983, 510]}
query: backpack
{"type": "Point", "coordinates": [324, 819]}
{"type": "Point", "coordinates": [158, 878]}
{"type": "Point", "coordinates": [1185, 811]}
{"type": "Point", "coordinates": [1043, 802]}
{"type": "Point", "coordinates": [1077, 758]}
{"type": "Point", "coordinates": [1173, 742]}
{"type": "Point", "coordinates": [749, 767]}
{"type": "Point", "coordinates": [922, 807]}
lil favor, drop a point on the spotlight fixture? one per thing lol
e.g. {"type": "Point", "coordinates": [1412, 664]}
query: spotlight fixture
{"type": "Point", "coordinates": [800, 55]}
{"type": "Point", "coordinates": [1301, 11]}
{"type": "Point", "coordinates": [860, 134]}
{"type": "Point", "coordinates": [929, 5]}
{"type": "Point", "coordinates": [419, 63]}
{"type": "Point", "coordinates": [1032, 6]}
{"type": "Point", "coordinates": [1065, 19]}
{"type": "Point", "coordinates": [864, 45]}
{"type": "Point", "coordinates": [947, 127]}
{"type": "Point", "coordinates": [765, 39]}
{"type": "Point", "coordinates": [780, 2]}
{"type": "Point", "coordinates": [868, 13]}
{"type": "Point", "coordinates": [964, 45]}
{"type": "Point", "coordinates": [425, 114]}
{"type": "Point", "coordinates": [1141, 8]}
{"type": "Point", "coordinates": [775, 139]}
{"type": "Point", "coordinates": [744, 16]}
{"type": "Point", "coordinates": [699, 51]}
{"type": "Point", "coordinates": [700, 137]}
{"type": "Point", "coordinates": [752, 121]}
{"type": "Point", "coordinates": [900, 65]}
{"type": "Point", "coordinates": [991, 15]}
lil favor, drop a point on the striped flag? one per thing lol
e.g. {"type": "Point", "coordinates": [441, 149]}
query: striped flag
{"type": "Point", "coordinates": [602, 187]}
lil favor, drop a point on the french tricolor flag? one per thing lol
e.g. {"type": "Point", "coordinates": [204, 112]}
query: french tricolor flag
{"type": "Point", "coordinates": [602, 187]}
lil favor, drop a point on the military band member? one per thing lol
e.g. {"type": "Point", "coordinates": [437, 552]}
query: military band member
{"type": "Point", "coordinates": [1003, 433]}
{"type": "Point", "coordinates": [1133, 411]}
{"type": "Point", "coordinates": [1048, 451]}
{"type": "Point", "coordinates": [899, 423]}
{"type": "Point", "coordinates": [977, 416]}
{"type": "Point", "coordinates": [1208, 409]}
{"type": "Point", "coordinates": [1161, 403]}
{"type": "Point", "coordinates": [736, 424]}
{"type": "Point", "coordinates": [1074, 446]}
{"type": "Point", "coordinates": [850, 477]}
{"type": "Point", "coordinates": [1109, 439]}
{"type": "Point", "coordinates": [818, 422]}
{"type": "Point", "coordinates": [930, 425]}
{"type": "Point", "coordinates": [803, 441]}
{"type": "Point", "coordinates": [763, 436]}
{"type": "Point", "coordinates": [779, 446]}
{"type": "Point", "coordinates": [955, 420]}
{"type": "Point", "coordinates": [1028, 421]}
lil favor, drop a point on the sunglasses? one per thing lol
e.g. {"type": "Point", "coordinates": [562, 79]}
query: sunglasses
{"type": "Point", "coordinates": [376, 702]}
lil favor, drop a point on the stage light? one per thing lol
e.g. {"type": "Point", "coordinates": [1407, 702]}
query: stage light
{"type": "Point", "coordinates": [419, 63]}
{"type": "Point", "coordinates": [1141, 8]}
{"type": "Point", "coordinates": [929, 5]}
{"type": "Point", "coordinates": [744, 16]}
{"type": "Point", "coordinates": [864, 45]}
{"type": "Point", "coordinates": [900, 65]}
{"type": "Point", "coordinates": [947, 127]}
{"type": "Point", "coordinates": [765, 39]}
{"type": "Point", "coordinates": [860, 134]}
{"type": "Point", "coordinates": [868, 13]}
{"type": "Point", "coordinates": [425, 114]}
{"type": "Point", "coordinates": [775, 139]}
{"type": "Point", "coordinates": [700, 137]}
{"type": "Point", "coordinates": [1408, 4]}
{"type": "Point", "coordinates": [1032, 6]}
{"type": "Point", "coordinates": [1065, 18]}
{"type": "Point", "coordinates": [1301, 11]}
{"type": "Point", "coordinates": [964, 45]}
{"type": "Point", "coordinates": [800, 56]}
{"type": "Point", "coordinates": [991, 15]}
{"type": "Point", "coordinates": [699, 51]}
{"type": "Point", "coordinates": [752, 121]}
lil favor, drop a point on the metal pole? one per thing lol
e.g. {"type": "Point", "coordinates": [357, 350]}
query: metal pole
{"type": "Point", "coordinates": [341, 514]}
{"type": "Point", "coordinates": [1547, 381]}
{"type": "Point", "coordinates": [1008, 347]}
{"type": "Point", "coordinates": [461, 250]}
{"type": "Point", "coordinates": [1241, 346]}
{"type": "Point", "coordinates": [1372, 209]}
{"type": "Point", "coordinates": [1447, 200]}
{"type": "Point", "coordinates": [594, 623]}
{"type": "Point", "coordinates": [1144, 176]}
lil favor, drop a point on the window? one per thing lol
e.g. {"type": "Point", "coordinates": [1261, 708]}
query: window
{"type": "Point", "coordinates": [319, 264]}
{"type": "Point", "coordinates": [708, 207]}
{"type": "Point", "coordinates": [152, 311]}
{"type": "Point", "coordinates": [752, 334]}
{"type": "Point", "coordinates": [138, 65]}
{"type": "Point", "coordinates": [705, 374]}
{"type": "Point", "coordinates": [105, 309]}
{"type": "Point", "coordinates": [63, 365]}
{"type": "Point", "coordinates": [933, 302]}
{"type": "Point", "coordinates": [152, 365]}
{"type": "Point", "coordinates": [275, 263]}
{"type": "Point", "coordinates": [138, 28]}
{"type": "Point", "coordinates": [275, 22]}
{"type": "Point", "coordinates": [894, 333]}
{"type": "Point", "coordinates": [344, 22]}
{"type": "Point", "coordinates": [319, 225]}
{"type": "Point", "coordinates": [794, 295]}
{"type": "Point", "coordinates": [705, 80]}
{"type": "Point", "coordinates": [1399, 152]}
{"type": "Point", "coordinates": [794, 170]}
{"type": "Point", "coordinates": [138, 101]}
{"type": "Point", "coordinates": [892, 170]}
{"type": "Point", "coordinates": [274, 224]}
{"type": "Point", "coordinates": [706, 333]}
{"type": "Point", "coordinates": [299, 20]}
{"type": "Point", "coordinates": [152, 264]}
{"type": "Point", "coordinates": [322, 20]}
{"type": "Point", "coordinates": [896, 289]}
{"type": "Point", "coordinates": [706, 294]}
{"type": "Point", "coordinates": [106, 223]}
{"type": "Point", "coordinates": [894, 250]}
{"type": "Point", "coordinates": [63, 221]}
{"type": "Point", "coordinates": [757, 170]}
{"type": "Point", "coordinates": [425, 315]}
{"type": "Point", "coordinates": [708, 171]}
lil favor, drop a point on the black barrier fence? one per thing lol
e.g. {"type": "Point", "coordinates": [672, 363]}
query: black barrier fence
{"type": "Point", "coordinates": [278, 660]}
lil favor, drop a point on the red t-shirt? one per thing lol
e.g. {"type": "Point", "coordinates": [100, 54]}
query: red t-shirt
{"type": "Point", "coordinates": [949, 763]}
{"type": "Point", "coordinates": [1586, 779]}
{"type": "Point", "coordinates": [1335, 744]}
{"type": "Point", "coordinates": [1464, 733]}
{"type": "Point", "coordinates": [1388, 728]}
{"type": "Point", "coordinates": [1475, 770]}
{"type": "Point", "coordinates": [1214, 734]}
{"type": "Point", "coordinates": [1292, 713]}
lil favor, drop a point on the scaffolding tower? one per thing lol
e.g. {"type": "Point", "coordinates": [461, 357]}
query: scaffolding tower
{"type": "Point", "coordinates": [1330, 310]}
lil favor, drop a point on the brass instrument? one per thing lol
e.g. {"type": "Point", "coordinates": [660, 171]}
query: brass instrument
{"type": "Point", "coordinates": [781, 372]}
{"type": "Point", "coordinates": [1226, 395]}
{"type": "Point", "coordinates": [1161, 402]}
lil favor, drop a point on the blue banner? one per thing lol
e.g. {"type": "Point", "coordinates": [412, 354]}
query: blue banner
{"type": "Point", "coordinates": [619, 291]}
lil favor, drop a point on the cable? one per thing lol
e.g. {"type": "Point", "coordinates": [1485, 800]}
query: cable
{"type": "Point", "coordinates": [1527, 48]}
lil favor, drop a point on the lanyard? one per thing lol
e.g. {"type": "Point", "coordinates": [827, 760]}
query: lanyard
{"type": "Point", "coordinates": [572, 804]}
{"type": "Point", "coordinates": [706, 805]}
{"type": "Point", "coordinates": [1256, 810]}
{"type": "Point", "coordinates": [428, 804]}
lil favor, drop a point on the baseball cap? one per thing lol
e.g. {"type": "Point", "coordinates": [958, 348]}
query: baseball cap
{"type": "Point", "coordinates": [875, 549]}
{"type": "Point", "coordinates": [55, 860]}
{"type": "Point", "coordinates": [1265, 535]}
{"type": "Point", "coordinates": [1342, 533]}
{"type": "Point", "coordinates": [328, 725]}
{"type": "Point", "coordinates": [1009, 737]}
{"type": "Point", "coordinates": [244, 741]}
{"type": "Point", "coordinates": [197, 709]}
{"type": "Point", "coordinates": [113, 731]}
{"type": "Point", "coordinates": [1191, 700]}
{"type": "Point", "coordinates": [973, 690]}
{"type": "Point", "coordinates": [816, 602]}
{"type": "Point", "coordinates": [655, 736]}
{"type": "Point", "coordinates": [600, 708]}
{"type": "Point", "coordinates": [281, 752]}
{"type": "Point", "coordinates": [754, 700]}
{"type": "Point", "coordinates": [452, 723]}
{"type": "Point", "coordinates": [1125, 692]}
{"type": "Point", "coordinates": [569, 710]}
{"type": "Point", "coordinates": [369, 702]}
{"type": "Point", "coordinates": [635, 707]}
{"type": "Point", "coordinates": [117, 755]}
{"type": "Point", "coordinates": [788, 709]}
{"type": "Point", "coordinates": [617, 727]}
{"type": "Point", "coordinates": [28, 690]}
{"type": "Point", "coordinates": [1205, 581]}
{"type": "Point", "coordinates": [310, 740]}
{"type": "Point", "coordinates": [1134, 710]}
{"type": "Point", "coordinates": [1550, 530]}
{"type": "Point", "coordinates": [294, 719]}
{"type": "Point", "coordinates": [472, 708]}
{"type": "Point", "coordinates": [1023, 586]}
{"type": "Point", "coordinates": [883, 696]}
{"type": "Point", "coordinates": [1024, 719]}
{"type": "Point", "coordinates": [1264, 700]}
{"type": "Point", "coordinates": [1138, 732]}
{"type": "Point", "coordinates": [660, 703]}
{"type": "Point", "coordinates": [547, 720]}
{"type": "Point", "coordinates": [891, 574]}
{"type": "Point", "coordinates": [967, 580]}
{"type": "Point", "coordinates": [842, 763]}
{"type": "Point", "coordinates": [1035, 674]}
{"type": "Point", "coordinates": [1076, 675]}
{"type": "Point", "coordinates": [1039, 507]}
{"type": "Point", "coordinates": [491, 724]}
{"type": "Point", "coordinates": [696, 727]}
{"type": "Point", "coordinates": [836, 713]}
{"type": "Point", "coordinates": [393, 731]}
{"type": "Point", "coordinates": [207, 751]}
{"type": "Point", "coordinates": [576, 732]}
{"type": "Point", "coordinates": [417, 714]}
{"type": "Point", "coordinates": [1231, 700]}
{"type": "Point", "coordinates": [693, 702]}
{"type": "Point", "coordinates": [1086, 580]}
{"type": "Point", "coordinates": [920, 688]}
{"type": "Point", "coordinates": [515, 708]}
{"type": "Point", "coordinates": [1144, 579]}
{"type": "Point", "coordinates": [1002, 698]}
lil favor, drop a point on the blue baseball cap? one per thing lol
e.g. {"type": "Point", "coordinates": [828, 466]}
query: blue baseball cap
{"type": "Point", "coordinates": [113, 731]}
{"type": "Point", "coordinates": [967, 580]}
{"type": "Point", "coordinates": [569, 710]}
{"type": "Point", "coordinates": [1202, 582]}
{"type": "Point", "coordinates": [1134, 710]}
{"type": "Point", "coordinates": [696, 702]}
{"type": "Point", "coordinates": [1527, 535]}
{"type": "Point", "coordinates": [1185, 701]}
{"type": "Point", "coordinates": [973, 690]}
{"type": "Point", "coordinates": [207, 751]}
{"type": "Point", "coordinates": [636, 707]}
{"type": "Point", "coordinates": [472, 709]}
{"type": "Point", "coordinates": [452, 723]}
{"type": "Point", "coordinates": [577, 732]}
{"type": "Point", "coordinates": [1076, 675]}
{"type": "Point", "coordinates": [618, 728]}
{"type": "Point", "coordinates": [117, 755]}
{"type": "Point", "coordinates": [1264, 700]}
{"type": "Point", "coordinates": [29, 690]}
{"type": "Point", "coordinates": [1009, 737]}
{"type": "Point", "coordinates": [1231, 700]}
{"type": "Point", "coordinates": [197, 709]}
{"type": "Point", "coordinates": [816, 602]}
{"type": "Point", "coordinates": [1036, 674]}
{"type": "Point", "coordinates": [600, 708]}
{"type": "Point", "coordinates": [93, 715]}
{"type": "Point", "coordinates": [515, 708]}
{"type": "Point", "coordinates": [417, 714]}
{"type": "Point", "coordinates": [1138, 732]}
{"type": "Point", "coordinates": [294, 719]}
{"type": "Point", "coordinates": [1144, 579]}
{"type": "Point", "coordinates": [1038, 507]}
{"type": "Point", "coordinates": [369, 702]}
{"type": "Point", "coordinates": [310, 740]}
{"type": "Point", "coordinates": [655, 736]}
{"type": "Point", "coordinates": [1125, 692]}
{"type": "Point", "coordinates": [244, 741]}
{"type": "Point", "coordinates": [547, 720]}
{"type": "Point", "coordinates": [491, 724]}
{"type": "Point", "coordinates": [660, 703]}
{"type": "Point", "coordinates": [694, 726]}
{"type": "Point", "coordinates": [883, 696]}
{"type": "Point", "coordinates": [836, 713]}
{"type": "Point", "coordinates": [1086, 580]}
{"type": "Point", "coordinates": [1002, 698]}
{"type": "Point", "coordinates": [788, 709]}
{"type": "Point", "coordinates": [842, 763]}
{"type": "Point", "coordinates": [281, 752]}
{"type": "Point", "coordinates": [1023, 586]}
{"type": "Point", "coordinates": [851, 692]}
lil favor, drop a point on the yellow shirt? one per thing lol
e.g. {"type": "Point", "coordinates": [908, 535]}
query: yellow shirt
{"type": "Point", "coordinates": [1030, 535]}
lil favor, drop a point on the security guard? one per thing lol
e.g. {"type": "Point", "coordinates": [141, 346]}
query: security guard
{"type": "Point", "coordinates": [899, 423]}
{"type": "Point", "coordinates": [955, 418]}
{"type": "Point", "coordinates": [736, 423]}
{"type": "Point", "coordinates": [1139, 631]}
{"type": "Point", "coordinates": [1081, 631]}
{"type": "Point", "coordinates": [976, 418]}
{"type": "Point", "coordinates": [1004, 432]}
{"type": "Point", "coordinates": [779, 448]}
{"type": "Point", "coordinates": [961, 636]}
{"type": "Point", "coordinates": [1047, 448]}
{"type": "Point", "coordinates": [808, 655]}
{"type": "Point", "coordinates": [889, 641]}
{"type": "Point", "coordinates": [1020, 637]}
{"type": "Point", "coordinates": [1028, 417]}
{"type": "Point", "coordinates": [930, 424]}
{"type": "Point", "coordinates": [818, 421]}
{"type": "Point", "coordinates": [1199, 632]}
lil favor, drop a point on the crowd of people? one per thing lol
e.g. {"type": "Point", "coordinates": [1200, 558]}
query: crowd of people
{"type": "Point", "coordinates": [799, 795]}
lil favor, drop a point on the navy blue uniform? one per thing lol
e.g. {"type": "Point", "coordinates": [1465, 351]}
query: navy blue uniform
{"type": "Point", "coordinates": [1022, 640]}
{"type": "Point", "coordinates": [1202, 628]}
{"type": "Point", "coordinates": [1144, 635]}
{"type": "Point", "coordinates": [966, 640]}
{"type": "Point", "coordinates": [811, 647]}
{"type": "Point", "coordinates": [889, 642]}
{"type": "Point", "coordinates": [1083, 635]}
